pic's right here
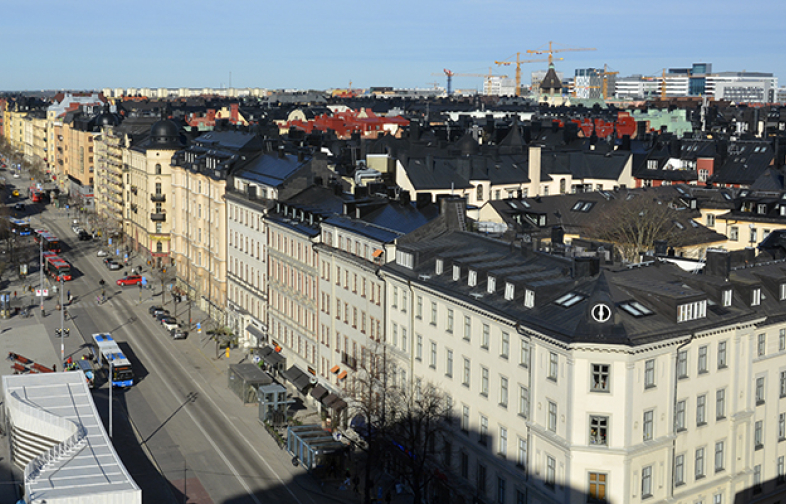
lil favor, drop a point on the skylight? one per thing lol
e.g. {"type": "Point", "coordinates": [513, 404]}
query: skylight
{"type": "Point", "coordinates": [635, 308]}
{"type": "Point", "coordinates": [693, 223]}
{"type": "Point", "coordinates": [569, 299]}
{"type": "Point", "coordinates": [679, 225]}
{"type": "Point", "coordinates": [577, 206]}
{"type": "Point", "coordinates": [587, 207]}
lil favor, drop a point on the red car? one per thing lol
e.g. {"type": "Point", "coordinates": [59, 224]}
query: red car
{"type": "Point", "coordinates": [130, 280]}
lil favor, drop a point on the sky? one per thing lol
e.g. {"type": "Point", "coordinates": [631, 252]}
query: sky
{"type": "Point", "coordinates": [323, 44]}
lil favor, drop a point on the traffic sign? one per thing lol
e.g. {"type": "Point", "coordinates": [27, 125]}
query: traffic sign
{"type": "Point", "coordinates": [42, 292]}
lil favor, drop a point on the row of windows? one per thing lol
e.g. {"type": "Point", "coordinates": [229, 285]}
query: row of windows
{"type": "Point", "coordinates": [291, 277]}
{"type": "Point", "coordinates": [366, 288]}
{"type": "Point", "coordinates": [240, 242]}
{"type": "Point", "coordinates": [293, 310]}
{"type": "Point", "coordinates": [299, 344]}
{"type": "Point", "coordinates": [350, 246]}
{"type": "Point", "coordinates": [242, 216]}
{"type": "Point", "coordinates": [292, 248]}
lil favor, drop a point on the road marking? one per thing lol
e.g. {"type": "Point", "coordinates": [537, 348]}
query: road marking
{"type": "Point", "coordinates": [210, 439]}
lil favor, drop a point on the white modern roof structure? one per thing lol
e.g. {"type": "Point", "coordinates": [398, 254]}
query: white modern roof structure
{"type": "Point", "coordinates": [58, 439]}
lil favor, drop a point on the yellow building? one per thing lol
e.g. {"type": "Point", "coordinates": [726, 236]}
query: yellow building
{"type": "Point", "coordinates": [146, 186]}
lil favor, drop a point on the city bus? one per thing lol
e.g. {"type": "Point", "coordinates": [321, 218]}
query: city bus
{"type": "Point", "coordinates": [20, 227]}
{"type": "Point", "coordinates": [108, 352]}
{"type": "Point", "coordinates": [57, 268]}
{"type": "Point", "coordinates": [51, 242]}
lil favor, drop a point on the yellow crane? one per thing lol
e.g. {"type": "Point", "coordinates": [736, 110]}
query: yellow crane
{"type": "Point", "coordinates": [518, 62]}
{"type": "Point", "coordinates": [605, 75]}
{"type": "Point", "coordinates": [450, 76]}
{"type": "Point", "coordinates": [550, 51]}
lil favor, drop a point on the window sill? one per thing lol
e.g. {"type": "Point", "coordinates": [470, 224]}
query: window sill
{"type": "Point", "coordinates": [759, 403]}
{"type": "Point", "coordinates": [503, 356]}
{"type": "Point", "coordinates": [522, 415]}
{"type": "Point", "coordinates": [552, 379]}
{"type": "Point", "coordinates": [503, 405]}
{"type": "Point", "coordinates": [650, 387]}
{"type": "Point", "coordinates": [484, 395]}
{"type": "Point", "coordinates": [701, 424]}
{"type": "Point", "coordinates": [758, 447]}
{"type": "Point", "coordinates": [600, 390]}
{"type": "Point", "coordinates": [699, 477]}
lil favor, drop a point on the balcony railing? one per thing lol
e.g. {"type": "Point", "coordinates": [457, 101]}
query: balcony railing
{"type": "Point", "coordinates": [158, 216]}
{"type": "Point", "coordinates": [158, 197]}
{"type": "Point", "coordinates": [349, 361]}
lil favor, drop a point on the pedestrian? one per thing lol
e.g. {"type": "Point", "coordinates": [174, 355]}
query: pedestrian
{"type": "Point", "coordinates": [14, 294]}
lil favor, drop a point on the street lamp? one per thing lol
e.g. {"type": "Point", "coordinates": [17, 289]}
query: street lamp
{"type": "Point", "coordinates": [110, 396]}
{"type": "Point", "coordinates": [62, 315]}
{"type": "Point", "coordinates": [41, 274]}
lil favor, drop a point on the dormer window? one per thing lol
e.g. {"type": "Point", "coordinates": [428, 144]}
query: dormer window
{"type": "Point", "coordinates": [756, 297]}
{"type": "Point", "coordinates": [456, 273]}
{"type": "Point", "coordinates": [529, 298]}
{"type": "Point", "coordinates": [692, 311]}
{"type": "Point", "coordinates": [783, 210]}
{"type": "Point", "coordinates": [652, 164]}
{"type": "Point", "coordinates": [783, 291]}
{"type": "Point", "coordinates": [404, 259]}
{"type": "Point", "coordinates": [510, 291]}
{"type": "Point", "coordinates": [491, 285]}
{"type": "Point", "coordinates": [762, 209]}
{"type": "Point", "coordinates": [473, 278]}
{"type": "Point", "coordinates": [728, 292]}
{"type": "Point", "coordinates": [439, 267]}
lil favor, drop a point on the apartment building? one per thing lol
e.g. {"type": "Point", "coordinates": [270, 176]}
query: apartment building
{"type": "Point", "coordinates": [575, 383]}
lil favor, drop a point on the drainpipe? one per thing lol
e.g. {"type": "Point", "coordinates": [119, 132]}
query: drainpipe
{"type": "Point", "coordinates": [674, 411]}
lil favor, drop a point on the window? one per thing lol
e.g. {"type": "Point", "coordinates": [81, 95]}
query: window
{"type": "Point", "coordinates": [524, 353]}
{"type": "Point", "coordinates": [781, 470]}
{"type": "Point", "coordinates": [510, 290]}
{"type": "Point", "coordinates": [758, 441]}
{"type": "Point", "coordinates": [504, 349]}
{"type": "Point", "coordinates": [720, 404]}
{"type": "Point", "coordinates": [598, 430]}
{"type": "Point", "coordinates": [649, 373]}
{"type": "Point", "coordinates": [701, 409]}
{"type": "Point", "coordinates": [529, 298]}
{"type": "Point", "coordinates": [502, 445]}
{"type": "Point", "coordinates": [553, 366]}
{"type": "Point", "coordinates": [692, 311]}
{"type": "Point", "coordinates": [717, 498]}
{"type": "Point", "coordinates": [646, 482]}
{"type": "Point", "coordinates": [760, 390]}
{"type": "Point", "coordinates": [433, 356]}
{"type": "Point", "coordinates": [679, 470]}
{"type": "Point", "coordinates": [551, 471]}
{"type": "Point", "coordinates": [419, 347]}
{"type": "Point", "coordinates": [679, 416]}
{"type": "Point", "coordinates": [782, 339]}
{"type": "Point", "coordinates": [757, 478]}
{"type": "Point", "coordinates": [721, 355]}
{"type": "Point", "coordinates": [781, 426]}
{"type": "Point", "coordinates": [648, 425]}
{"type": "Point", "coordinates": [702, 359]}
{"type": "Point", "coordinates": [484, 339]}
{"type": "Point", "coordinates": [439, 266]}
{"type": "Point", "coordinates": [447, 453]}
{"type": "Point", "coordinates": [552, 416]}
{"type": "Point", "coordinates": [473, 278]}
{"type": "Point", "coordinates": [464, 465]}
{"type": "Point", "coordinates": [449, 327]}
{"type": "Point", "coordinates": [682, 364]}
{"type": "Point", "coordinates": [449, 362]}
{"type": "Point", "coordinates": [419, 307]}
{"type": "Point", "coordinates": [720, 459]}
{"type": "Point", "coordinates": [783, 384]}
{"type": "Point", "coordinates": [726, 301]}
{"type": "Point", "coordinates": [521, 457]}
{"type": "Point", "coordinates": [523, 401]}
{"type": "Point", "coordinates": [467, 328]}
{"type": "Point", "coordinates": [466, 372]}
{"type": "Point", "coordinates": [761, 346]}
{"type": "Point", "coordinates": [433, 313]}
{"type": "Point", "coordinates": [465, 419]}
{"type": "Point", "coordinates": [483, 435]}
{"type": "Point", "coordinates": [756, 297]}
{"type": "Point", "coordinates": [484, 381]}
{"type": "Point", "coordinates": [394, 301]}
{"type": "Point", "coordinates": [503, 391]}
{"type": "Point", "coordinates": [500, 490]}
{"type": "Point", "coordinates": [597, 487]}
{"type": "Point", "coordinates": [734, 233]}
{"type": "Point", "coordinates": [699, 465]}
{"type": "Point", "coordinates": [456, 272]}
{"type": "Point", "coordinates": [710, 220]}
{"type": "Point", "coordinates": [600, 378]}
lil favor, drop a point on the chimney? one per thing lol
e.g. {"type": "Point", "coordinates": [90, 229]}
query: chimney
{"type": "Point", "coordinates": [361, 192]}
{"type": "Point", "coordinates": [422, 200]}
{"type": "Point", "coordinates": [585, 266]}
{"type": "Point", "coordinates": [534, 170]}
{"type": "Point", "coordinates": [661, 247]}
{"type": "Point", "coordinates": [281, 153]}
{"type": "Point", "coordinates": [557, 235]}
{"type": "Point", "coordinates": [300, 156]}
{"type": "Point", "coordinates": [404, 197]}
{"type": "Point", "coordinates": [718, 263]}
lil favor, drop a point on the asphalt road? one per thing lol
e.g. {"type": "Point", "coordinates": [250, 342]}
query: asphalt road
{"type": "Point", "coordinates": [179, 420]}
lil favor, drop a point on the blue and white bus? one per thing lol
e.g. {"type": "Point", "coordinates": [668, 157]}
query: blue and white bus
{"type": "Point", "coordinates": [108, 352]}
{"type": "Point", "coordinates": [20, 227]}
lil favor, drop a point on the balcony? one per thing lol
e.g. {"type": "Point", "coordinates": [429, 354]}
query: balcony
{"type": "Point", "coordinates": [349, 361]}
{"type": "Point", "coordinates": [158, 216]}
{"type": "Point", "coordinates": [158, 197]}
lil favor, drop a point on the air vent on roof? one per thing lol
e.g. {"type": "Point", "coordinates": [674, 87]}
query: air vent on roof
{"type": "Point", "coordinates": [425, 277]}
{"type": "Point", "coordinates": [476, 295]}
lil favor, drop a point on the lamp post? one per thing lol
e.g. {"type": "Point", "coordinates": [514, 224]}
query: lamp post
{"type": "Point", "coordinates": [41, 273]}
{"type": "Point", "coordinates": [62, 316]}
{"type": "Point", "coordinates": [110, 397]}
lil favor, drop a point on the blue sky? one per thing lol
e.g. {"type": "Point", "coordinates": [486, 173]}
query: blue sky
{"type": "Point", "coordinates": [318, 44]}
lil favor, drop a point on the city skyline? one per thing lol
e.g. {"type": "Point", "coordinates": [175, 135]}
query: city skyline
{"type": "Point", "coordinates": [311, 45]}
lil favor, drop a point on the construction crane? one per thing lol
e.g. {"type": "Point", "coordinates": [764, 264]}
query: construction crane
{"type": "Point", "coordinates": [518, 63]}
{"type": "Point", "coordinates": [450, 76]}
{"type": "Point", "coordinates": [605, 75]}
{"type": "Point", "coordinates": [550, 51]}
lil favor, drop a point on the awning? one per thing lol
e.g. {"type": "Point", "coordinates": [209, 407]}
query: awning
{"type": "Point", "coordinates": [318, 392]}
{"type": "Point", "coordinates": [342, 375]}
{"type": "Point", "coordinates": [271, 357]}
{"type": "Point", "coordinates": [330, 399]}
{"type": "Point", "coordinates": [255, 332]}
{"type": "Point", "coordinates": [335, 369]}
{"type": "Point", "coordinates": [377, 252]}
{"type": "Point", "coordinates": [297, 377]}
{"type": "Point", "coordinates": [338, 405]}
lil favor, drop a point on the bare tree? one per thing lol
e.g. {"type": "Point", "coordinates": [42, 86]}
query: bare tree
{"type": "Point", "coordinates": [420, 415]}
{"type": "Point", "coordinates": [634, 225]}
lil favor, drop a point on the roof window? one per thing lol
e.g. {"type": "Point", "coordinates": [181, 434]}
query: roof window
{"type": "Point", "coordinates": [635, 308]}
{"type": "Point", "coordinates": [569, 299]}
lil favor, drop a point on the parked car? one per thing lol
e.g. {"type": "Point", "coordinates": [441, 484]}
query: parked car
{"type": "Point", "coordinates": [112, 265]}
{"type": "Point", "coordinates": [153, 309]}
{"type": "Point", "coordinates": [178, 333]}
{"type": "Point", "coordinates": [102, 253]}
{"type": "Point", "coordinates": [160, 316]}
{"type": "Point", "coordinates": [16, 175]}
{"type": "Point", "coordinates": [169, 323]}
{"type": "Point", "coordinates": [85, 236]}
{"type": "Point", "coordinates": [130, 280]}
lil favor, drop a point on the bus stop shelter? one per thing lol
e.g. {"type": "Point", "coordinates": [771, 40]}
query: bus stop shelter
{"type": "Point", "coordinates": [313, 446]}
{"type": "Point", "coordinates": [245, 379]}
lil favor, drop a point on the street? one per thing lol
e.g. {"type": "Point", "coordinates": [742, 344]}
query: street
{"type": "Point", "coordinates": [179, 419]}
